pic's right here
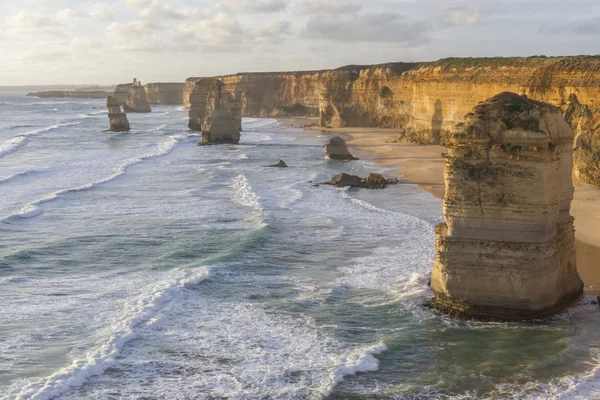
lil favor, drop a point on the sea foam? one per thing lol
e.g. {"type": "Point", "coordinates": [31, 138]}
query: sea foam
{"type": "Point", "coordinates": [33, 209]}
{"type": "Point", "coordinates": [142, 311]}
{"type": "Point", "coordinates": [15, 143]}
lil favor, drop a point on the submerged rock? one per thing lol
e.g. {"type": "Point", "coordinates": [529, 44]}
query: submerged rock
{"type": "Point", "coordinates": [118, 120]}
{"type": "Point", "coordinates": [137, 101]}
{"type": "Point", "coordinates": [280, 164]}
{"type": "Point", "coordinates": [507, 249]}
{"type": "Point", "coordinates": [336, 149]}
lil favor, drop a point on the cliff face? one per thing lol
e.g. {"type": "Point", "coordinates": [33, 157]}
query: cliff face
{"type": "Point", "coordinates": [165, 93]}
{"type": "Point", "coordinates": [506, 250]}
{"type": "Point", "coordinates": [422, 100]}
{"type": "Point", "coordinates": [121, 92]}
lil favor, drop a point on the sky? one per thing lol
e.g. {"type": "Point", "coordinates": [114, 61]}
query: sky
{"type": "Point", "coordinates": [112, 41]}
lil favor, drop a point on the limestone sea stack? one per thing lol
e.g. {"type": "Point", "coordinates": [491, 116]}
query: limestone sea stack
{"type": "Point", "coordinates": [118, 120]}
{"type": "Point", "coordinates": [219, 125]}
{"type": "Point", "coordinates": [137, 101]}
{"type": "Point", "coordinates": [506, 250]}
{"type": "Point", "coordinates": [336, 149]}
{"type": "Point", "coordinates": [198, 99]}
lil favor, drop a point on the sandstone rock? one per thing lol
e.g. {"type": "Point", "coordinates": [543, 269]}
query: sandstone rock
{"type": "Point", "coordinates": [585, 122]}
{"type": "Point", "coordinates": [118, 120]}
{"type": "Point", "coordinates": [376, 181]}
{"type": "Point", "coordinates": [345, 180]}
{"type": "Point", "coordinates": [121, 92]}
{"type": "Point", "coordinates": [165, 93]}
{"type": "Point", "coordinates": [137, 101]}
{"type": "Point", "coordinates": [506, 250]}
{"type": "Point", "coordinates": [198, 98]}
{"type": "Point", "coordinates": [336, 149]}
{"type": "Point", "coordinates": [219, 125]}
{"type": "Point", "coordinates": [280, 164]}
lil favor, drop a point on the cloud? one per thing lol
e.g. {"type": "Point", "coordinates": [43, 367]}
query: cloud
{"type": "Point", "coordinates": [337, 7]}
{"type": "Point", "coordinates": [580, 27]}
{"type": "Point", "coordinates": [368, 27]}
{"type": "Point", "coordinates": [255, 6]}
{"type": "Point", "coordinates": [136, 36]}
{"type": "Point", "coordinates": [457, 16]}
{"type": "Point", "coordinates": [30, 23]}
{"type": "Point", "coordinates": [94, 10]}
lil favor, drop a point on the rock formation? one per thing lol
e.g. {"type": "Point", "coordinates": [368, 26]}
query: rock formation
{"type": "Point", "coordinates": [136, 101]}
{"type": "Point", "coordinates": [280, 164]}
{"type": "Point", "coordinates": [336, 149]}
{"type": "Point", "coordinates": [165, 93]}
{"type": "Point", "coordinates": [373, 181]}
{"type": "Point", "coordinates": [118, 120]}
{"type": "Point", "coordinates": [197, 101]}
{"type": "Point", "coordinates": [506, 250]}
{"type": "Point", "coordinates": [585, 122]}
{"type": "Point", "coordinates": [219, 124]}
{"type": "Point", "coordinates": [121, 93]}
{"type": "Point", "coordinates": [422, 100]}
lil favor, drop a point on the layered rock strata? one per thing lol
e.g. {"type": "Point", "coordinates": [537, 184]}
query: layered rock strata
{"type": "Point", "coordinates": [203, 100]}
{"type": "Point", "coordinates": [121, 92]}
{"type": "Point", "coordinates": [506, 250]}
{"type": "Point", "coordinates": [336, 149]}
{"type": "Point", "coordinates": [220, 125]}
{"type": "Point", "coordinates": [118, 120]}
{"type": "Point", "coordinates": [422, 100]}
{"type": "Point", "coordinates": [165, 93]}
{"type": "Point", "coordinates": [136, 101]}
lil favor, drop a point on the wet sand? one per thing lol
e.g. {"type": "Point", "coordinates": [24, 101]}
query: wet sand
{"type": "Point", "coordinates": [424, 166]}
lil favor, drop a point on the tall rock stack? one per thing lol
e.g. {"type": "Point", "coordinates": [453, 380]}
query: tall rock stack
{"type": "Point", "coordinates": [137, 101]}
{"type": "Point", "coordinates": [198, 99]}
{"type": "Point", "coordinates": [506, 250]}
{"type": "Point", "coordinates": [118, 120]}
{"type": "Point", "coordinates": [219, 125]}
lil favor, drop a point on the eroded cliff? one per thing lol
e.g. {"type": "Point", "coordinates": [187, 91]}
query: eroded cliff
{"type": "Point", "coordinates": [507, 249]}
{"type": "Point", "coordinates": [165, 93]}
{"type": "Point", "coordinates": [422, 100]}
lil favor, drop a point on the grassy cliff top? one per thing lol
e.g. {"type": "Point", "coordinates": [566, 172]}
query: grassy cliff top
{"type": "Point", "coordinates": [568, 63]}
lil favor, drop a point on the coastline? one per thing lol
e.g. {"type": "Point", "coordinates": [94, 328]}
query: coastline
{"type": "Point", "coordinates": [423, 165]}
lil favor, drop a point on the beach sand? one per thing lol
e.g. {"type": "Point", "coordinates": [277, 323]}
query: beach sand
{"type": "Point", "coordinates": [424, 166]}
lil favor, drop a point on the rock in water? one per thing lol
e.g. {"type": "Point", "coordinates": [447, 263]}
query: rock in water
{"type": "Point", "coordinates": [507, 249]}
{"type": "Point", "coordinates": [376, 181]}
{"type": "Point", "coordinates": [336, 149]}
{"type": "Point", "coordinates": [137, 102]}
{"type": "Point", "coordinates": [280, 164]}
{"type": "Point", "coordinates": [219, 125]}
{"type": "Point", "coordinates": [345, 180]}
{"type": "Point", "coordinates": [198, 100]}
{"type": "Point", "coordinates": [118, 120]}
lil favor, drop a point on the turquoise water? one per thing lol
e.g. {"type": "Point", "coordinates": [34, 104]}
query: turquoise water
{"type": "Point", "coordinates": [142, 266]}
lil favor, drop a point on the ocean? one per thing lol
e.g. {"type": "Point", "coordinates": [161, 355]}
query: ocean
{"type": "Point", "coordinates": [140, 265]}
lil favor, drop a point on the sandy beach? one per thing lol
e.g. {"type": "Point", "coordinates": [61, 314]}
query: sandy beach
{"type": "Point", "coordinates": [424, 166]}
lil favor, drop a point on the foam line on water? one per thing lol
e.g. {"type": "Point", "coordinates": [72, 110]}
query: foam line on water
{"type": "Point", "coordinates": [96, 362]}
{"type": "Point", "coordinates": [244, 194]}
{"type": "Point", "coordinates": [361, 360]}
{"type": "Point", "coordinates": [33, 209]}
{"type": "Point", "coordinates": [15, 143]}
{"type": "Point", "coordinates": [19, 175]}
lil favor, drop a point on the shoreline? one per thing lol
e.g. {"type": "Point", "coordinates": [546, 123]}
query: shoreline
{"type": "Point", "coordinates": [423, 165]}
